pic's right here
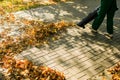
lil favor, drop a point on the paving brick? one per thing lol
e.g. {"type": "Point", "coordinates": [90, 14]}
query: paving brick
{"type": "Point", "coordinates": [38, 53]}
{"type": "Point", "coordinates": [52, 65]}
{"type": "Point", "coordinates": [85, 77]}
{"type": "Point", "coordinates": [34, 50]}
{"type": "Point", "coordinates": [72, 78]}
{"type": "Point", "coordinates": [75, 69]}
{"type": "Point", "coordinates": [78, 53]}
{"type": "Point", "coordinates": [116, 60]}
{"type": "Point", "coordinates": [19, 56]}
{"type": "Point", "coordinates": [95, 58]}
{"type": "Point", "coordinates": [99, 69]}
{"type": "Point", "coordinates": [25, 53]}
{"type": "Point", "coordinates": [68, 64]}
{"type": "Point", "coordinates": [72, 49]}
{"type": "Point", "coordinates": [81, 56]}
{"type": "Point", "coordinates": [55, 55]}
{"type": "Point", "coordinates": [81, 75]}
{"type": "Point", "coordinates": [28, 57]}
{"type": "Point", "coordinates": [49, 62]}
{"type": "Point", "coordinates": [100, 60]}
{"type": "Point", "coordinates": [89, 55]}
{"type": "Point", "coordinates": [42, 59]}
{"type": "Point", "coordinates": [62, 51]}
{"type": "Point", "coordinates": [83, 59]}
{"type": "Point", "coordinates": [106, 64]}
{"type": "Point", "coordinates": [60, 68]}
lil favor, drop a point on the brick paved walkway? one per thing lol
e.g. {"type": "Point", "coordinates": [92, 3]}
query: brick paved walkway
{"type": "Point", "coordinates": [78, 53]}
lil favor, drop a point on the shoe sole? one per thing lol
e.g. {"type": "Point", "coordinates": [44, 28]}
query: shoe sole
{"type": "Point", "coordinates": [81, 26]}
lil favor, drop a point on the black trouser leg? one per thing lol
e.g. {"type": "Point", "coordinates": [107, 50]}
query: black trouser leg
{"type": "Point", "coordinates": [88, 18]}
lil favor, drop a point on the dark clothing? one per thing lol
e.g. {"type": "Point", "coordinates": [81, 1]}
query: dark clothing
{"type": "Point", "coordinates": [92, 15]}
{"type": "Point", "coordinates": [107, 7]}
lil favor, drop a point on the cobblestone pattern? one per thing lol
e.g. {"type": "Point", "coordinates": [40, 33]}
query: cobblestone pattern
{"type": "Point", "coordinates": [79, 54]}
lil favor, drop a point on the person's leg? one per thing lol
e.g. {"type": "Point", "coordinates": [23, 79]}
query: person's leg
{"type": "Point", "coordinates": [110, 16]}
{"type": "Point", "coordinates": [105, 4]}
{"type": "Point", "coordinates": [88, 18]}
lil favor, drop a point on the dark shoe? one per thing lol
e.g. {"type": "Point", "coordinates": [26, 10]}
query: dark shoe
{"type": "Point", "coordinates": [81, 25]}
{"type": "Point", "coordinates": [108, 36]}
{"type": "Point", "coordinates": [94, 31]}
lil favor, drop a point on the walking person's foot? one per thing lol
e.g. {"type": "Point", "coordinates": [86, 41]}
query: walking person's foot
{"type": "Point", "coordinates": [81, 25]}
{"type": "Point", "coordinates": [108, 36]}
{"type": "Point", "coordinates": [94, 31]}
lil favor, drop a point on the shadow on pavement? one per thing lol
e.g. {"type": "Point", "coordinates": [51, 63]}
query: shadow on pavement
{"type": "Point", "coordinates": [78, 53]}
{"type": "Point", "coordinates": [69, 11]}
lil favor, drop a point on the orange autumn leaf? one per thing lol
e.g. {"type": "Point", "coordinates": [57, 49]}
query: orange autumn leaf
{"type": "Point", "coordinates": [23, 64]}
{"type": "Point", "coordinates": [10, 18]}
{"type": "Point", "coordinates": [2, 11]}
{"type": "Point", "coordinates": [26, 70]}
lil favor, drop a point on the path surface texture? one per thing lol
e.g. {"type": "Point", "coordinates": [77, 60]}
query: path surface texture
{"type": "Point", "coordinates": [79, 54]}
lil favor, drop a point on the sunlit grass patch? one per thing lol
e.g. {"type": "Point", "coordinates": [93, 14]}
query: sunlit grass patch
{"type": "Point", "coordinates": [16, 5]}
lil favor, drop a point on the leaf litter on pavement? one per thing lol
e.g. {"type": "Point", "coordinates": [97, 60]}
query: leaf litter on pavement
{"type": "Point", "coordinates": [26, 70]}
{"type": "Point", "coordinates": [30, 33]}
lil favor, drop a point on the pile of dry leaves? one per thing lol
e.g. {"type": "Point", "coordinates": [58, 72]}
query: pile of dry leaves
{"type": "Point", "coordinates": [115, 71]}
{"type": "Point", "coordinates": [26, 70]}
{"type": "Point", "coordinates": [31, 33]}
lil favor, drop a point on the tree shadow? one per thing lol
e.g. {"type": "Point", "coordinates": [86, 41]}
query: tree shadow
{"type": "Point", "coordinates": [77, 52]}
{"type": "Point", "coordinates": [69, 11]}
